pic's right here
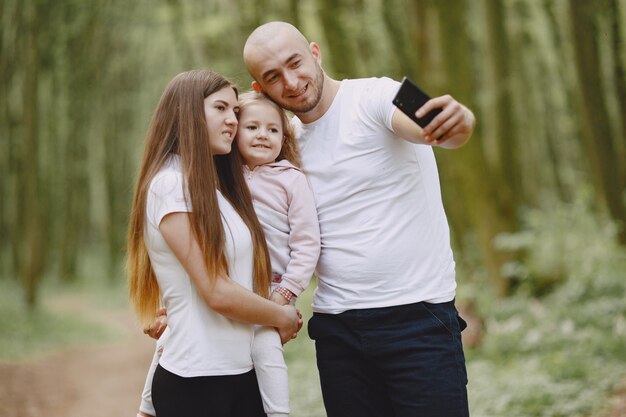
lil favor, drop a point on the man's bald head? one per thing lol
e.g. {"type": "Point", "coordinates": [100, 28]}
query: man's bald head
{"type": "Point", "coordinates": [286, 67]}
{"type": "Point", "coordinates": [267, 32]}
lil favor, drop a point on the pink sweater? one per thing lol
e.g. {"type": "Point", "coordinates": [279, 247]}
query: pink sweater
{"type": "Point", "coordinates": [284, 203]}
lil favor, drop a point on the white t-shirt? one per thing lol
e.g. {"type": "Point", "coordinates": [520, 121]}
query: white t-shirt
{"type": "Point", "coordinates": [202, 342]}
{"type": "Point", "coordinates": [384, 233]}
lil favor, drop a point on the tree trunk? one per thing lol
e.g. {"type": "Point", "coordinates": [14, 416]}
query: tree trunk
{"type": "Point", "coordinates": [595, 122]}
{"type": "Point", "coordinates": [619, 56]}
{"type": "Point", "coordinates": [294, 13]}
{"type": "Point", "coordinates": [11, 65]}
{"type": "Point", "coordinates": [30, 239]}
{"type": "Point", "coordinates": [184, 45]}
{"type": "Point", "coordinates": [501, 109]}
{"type": "Point", "coordinates": [423, 30]}
{"type": "Point", "coordinates": [394, 14]}
{"type": "Point", "coordinates": [342, 56]}
{"type": "Point", "coordinates": [80, 63]}
{"type": "Point", "coordinates": [489, 210]}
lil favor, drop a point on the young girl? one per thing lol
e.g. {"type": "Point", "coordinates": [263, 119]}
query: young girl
{"type": "Point", "coordinates": [195, 245]}
{"type": "Point", "coordinates": [285, 207]}
{"type": "Point", "coordinates": [281, 195]}
{"type": "Point", "coordinates": [284, 203]}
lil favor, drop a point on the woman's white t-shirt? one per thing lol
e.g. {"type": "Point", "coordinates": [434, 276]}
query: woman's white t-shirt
{"type": "Point", "coordinates": [202, 342]}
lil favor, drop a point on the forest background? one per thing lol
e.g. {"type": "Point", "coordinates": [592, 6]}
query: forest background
{"type": "Point", "coordinates": [536, 201]}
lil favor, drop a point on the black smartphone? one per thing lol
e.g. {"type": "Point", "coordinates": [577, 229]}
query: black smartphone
{"type": "Point", "coordinates": [410, 98]}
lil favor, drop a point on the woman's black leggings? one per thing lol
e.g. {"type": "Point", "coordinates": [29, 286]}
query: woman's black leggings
{"type": "Point", "coordinates": [206, 396]}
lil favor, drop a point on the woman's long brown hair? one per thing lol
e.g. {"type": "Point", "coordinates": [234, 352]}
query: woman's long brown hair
{"type": "Point", "coordinates": [178, 126]}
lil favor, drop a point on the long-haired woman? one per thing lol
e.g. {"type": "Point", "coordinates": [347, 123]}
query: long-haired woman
{"type": "Point", "coordinates": [196, 247]}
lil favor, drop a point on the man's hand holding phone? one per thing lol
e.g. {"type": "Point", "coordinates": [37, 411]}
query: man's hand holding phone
{"type": "Point", "coordinates": [444, 121]}
{"type": "Point", "coordinates": [454, 124]}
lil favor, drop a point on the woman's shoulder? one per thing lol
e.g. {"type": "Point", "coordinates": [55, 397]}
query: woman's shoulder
{"type": "Point", "coordinates": [169, 177]}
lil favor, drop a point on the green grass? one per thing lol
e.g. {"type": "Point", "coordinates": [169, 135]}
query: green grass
{"type": "Point", "coordinates": [25, 333]}
{"type": "Point", "coordinates": [550, 357]}
{"type": "Point", "coordinates": [559, 353]}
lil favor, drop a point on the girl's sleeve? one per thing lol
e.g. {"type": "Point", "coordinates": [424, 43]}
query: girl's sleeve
{"type": "Point", "coordinates": [304, 236]}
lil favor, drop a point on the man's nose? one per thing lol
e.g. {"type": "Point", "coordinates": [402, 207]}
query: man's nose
{"type": "Point", "coordinates": [291, 80]}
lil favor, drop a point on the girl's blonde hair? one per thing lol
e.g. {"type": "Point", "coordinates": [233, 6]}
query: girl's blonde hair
{"type": "Point", "coordinates": [179, 126]}
{"type": "Point", "coordinates": [289, 150]}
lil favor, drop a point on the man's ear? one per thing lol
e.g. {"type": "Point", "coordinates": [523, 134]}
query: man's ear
{"type": "Point", "coordinates": [257, 87]}
{"type": "Point", "coordinates": [315, 51]}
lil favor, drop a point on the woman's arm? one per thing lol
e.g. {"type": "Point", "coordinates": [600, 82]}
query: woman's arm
{"type": "Point", "coordinates": [224, 295]}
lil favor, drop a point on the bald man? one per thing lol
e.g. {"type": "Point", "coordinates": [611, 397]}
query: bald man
{"type": "Point", "coordinates": [386, 331]}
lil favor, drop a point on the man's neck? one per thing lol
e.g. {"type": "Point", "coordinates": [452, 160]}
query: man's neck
{"type": "Point", "coordinates": [329, 92]}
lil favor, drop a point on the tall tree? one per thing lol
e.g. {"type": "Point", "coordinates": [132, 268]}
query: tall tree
{"type": "Point", "coordinates": [10, 27]}
{"type": "Point", "coordinates": [489, 209]}
{"type": "Point", "coordinates": [342, 56]}
{"type": "Point", "coordinates": [29, 239]}
{"type": "Point", "coordinates": [179, 28]}
{"type": "Point", "coordinates": [294, 13]}
{"type": "Point", "coordinates": [394, 17]}
{"type": "Point", "coordinates": [596, 124]}
{"type": "Point", "coordinates": [423, 27]}
{"type": "Point", "coordinates": [619, 56]}
{"type": "Point", "coordinates": [501, 110]}
{"type": "Point", "coordinates": [79, 62]}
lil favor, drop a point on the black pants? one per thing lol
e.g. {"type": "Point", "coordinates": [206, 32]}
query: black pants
{"type": "Point", "coordinates": [206, 396]}
{"type": "Point", "coordinates": [401, 361]}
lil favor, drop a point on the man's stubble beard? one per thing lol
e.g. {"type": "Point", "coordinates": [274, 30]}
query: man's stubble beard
{"type": "Point", "coordinates": [318, 87]}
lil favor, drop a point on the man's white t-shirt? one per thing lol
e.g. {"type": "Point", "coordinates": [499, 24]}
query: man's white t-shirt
{"type": "Point", "coordinates": [202, 342]}
{"type": "Point", "coordinates": [384, 233]}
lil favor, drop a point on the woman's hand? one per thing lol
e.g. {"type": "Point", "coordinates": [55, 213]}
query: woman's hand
{"type": "Point", "coordinates": [158, 326]}
{"type": "Point", "coordinates": [292, 323]}
{"type": "Point", "coordinates": [291, 319]}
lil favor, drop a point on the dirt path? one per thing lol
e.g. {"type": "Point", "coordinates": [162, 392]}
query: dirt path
{"type": "Point", "coordinates": [617, 404]}
{"type": "Point", "coordinates": [95, 381]}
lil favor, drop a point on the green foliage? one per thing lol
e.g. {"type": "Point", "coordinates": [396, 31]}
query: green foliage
{"type": "Point", "coordinates": [560, 241]}
{"type": "Point", "coordinates": [560, 354]}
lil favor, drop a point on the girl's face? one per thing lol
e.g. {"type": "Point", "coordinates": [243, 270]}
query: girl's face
{"type": "Point", "coordinates": [260, 136]}
{"type": "Point", "coordinates": [220, 111]}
